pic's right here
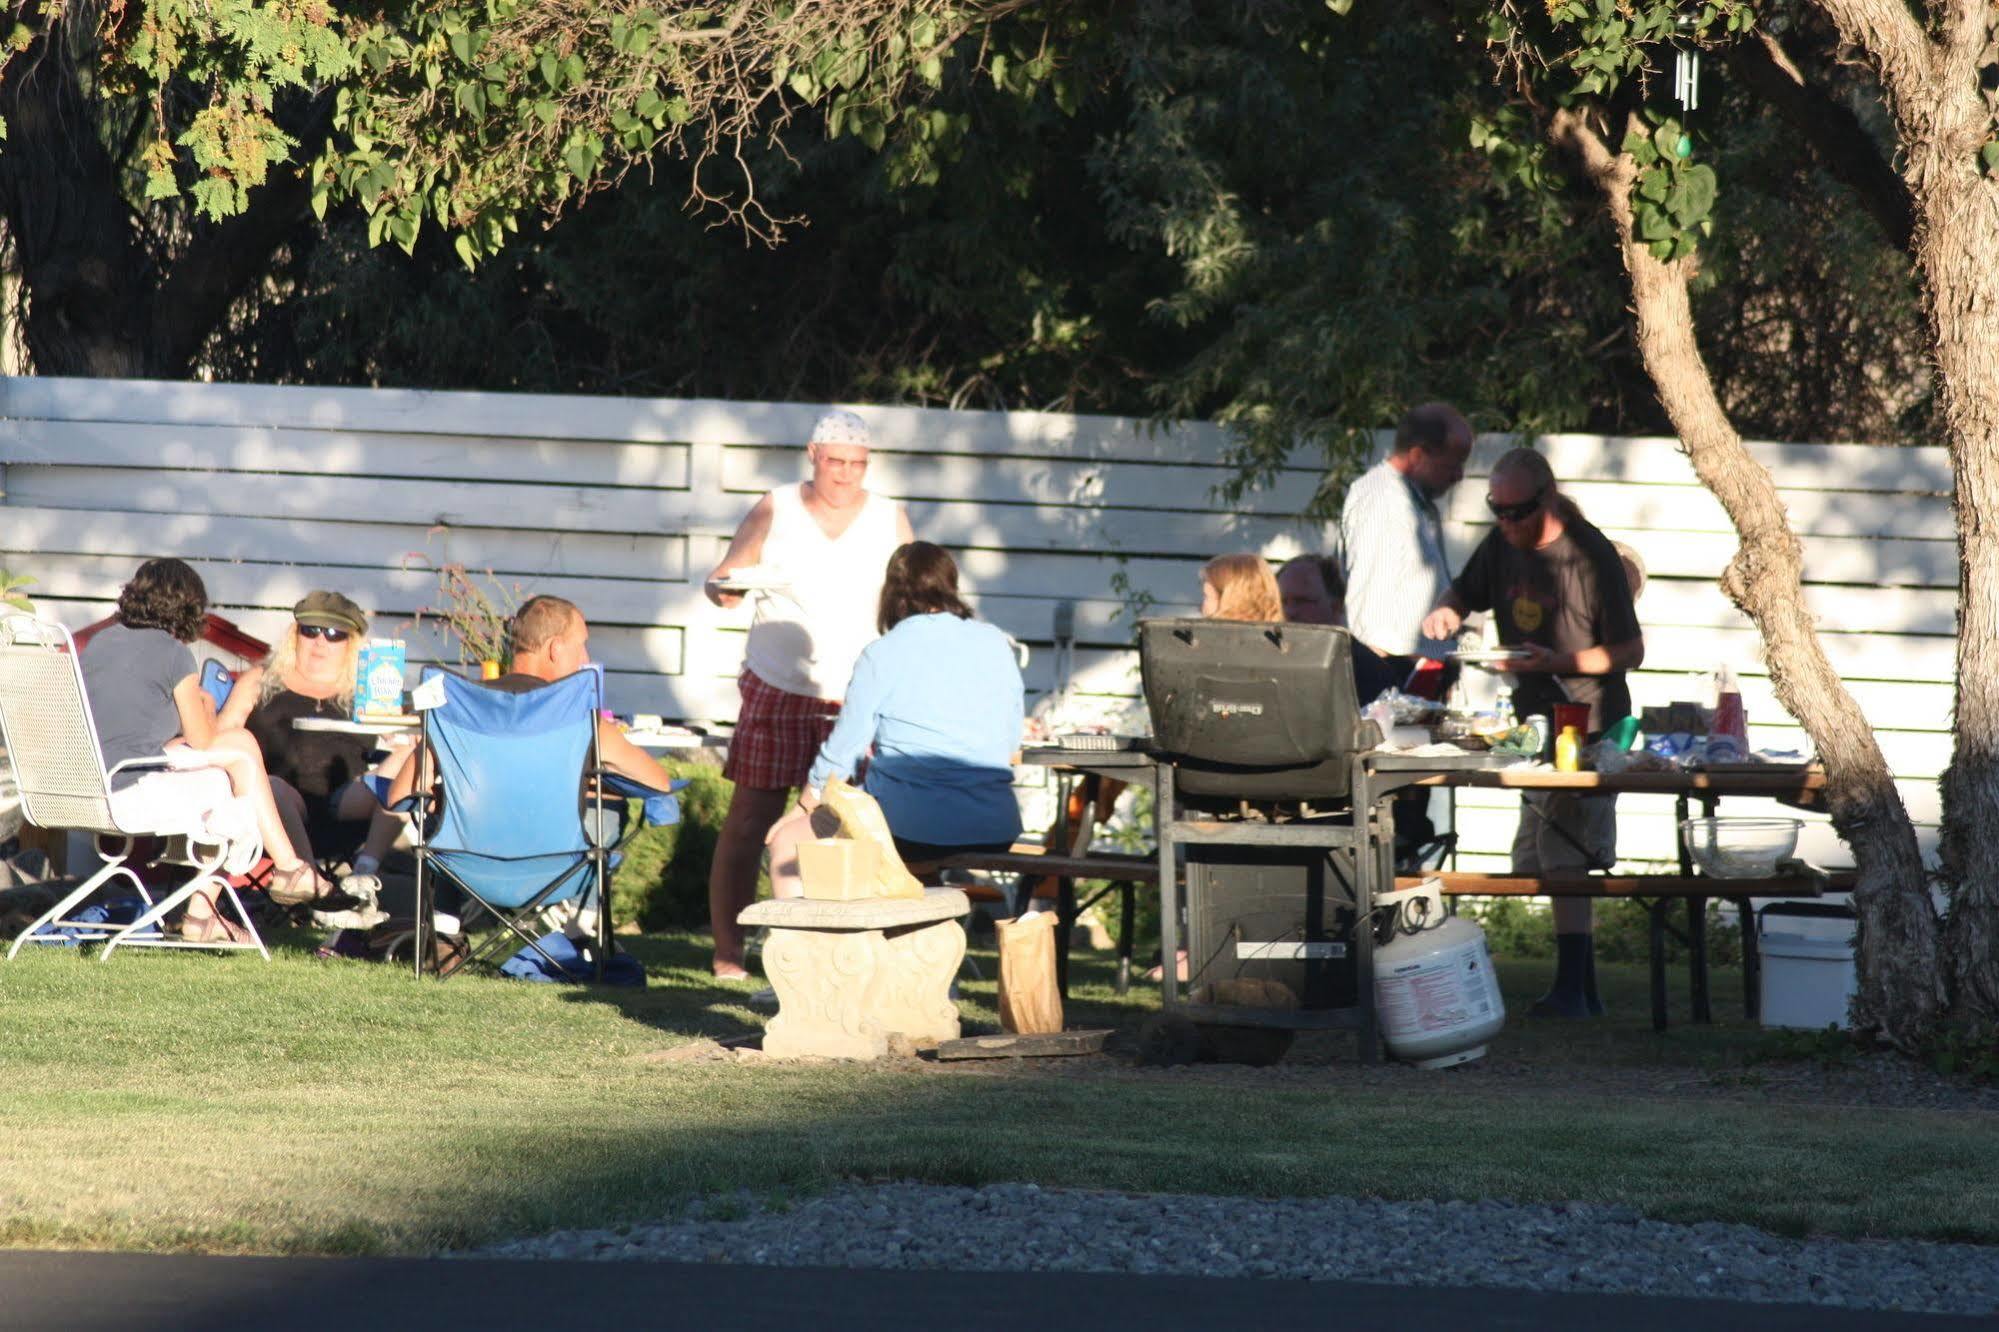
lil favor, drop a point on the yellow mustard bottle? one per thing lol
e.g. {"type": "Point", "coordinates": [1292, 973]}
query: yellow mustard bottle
{"type": "Point", "coordinates": [1569, 750]}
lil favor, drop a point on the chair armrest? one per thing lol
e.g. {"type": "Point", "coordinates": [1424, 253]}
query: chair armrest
{"type": "Point", "coordinates": [660, 808]}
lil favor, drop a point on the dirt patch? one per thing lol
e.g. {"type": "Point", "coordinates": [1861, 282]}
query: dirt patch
{"type": "Point", "coordinates": [1594, 1067]}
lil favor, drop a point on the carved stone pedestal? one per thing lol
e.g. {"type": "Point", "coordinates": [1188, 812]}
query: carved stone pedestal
{"type": "Point", "coordinates": [848, 975]}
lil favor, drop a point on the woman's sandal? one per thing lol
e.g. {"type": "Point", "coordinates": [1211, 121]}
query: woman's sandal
{"type": "Point", "coordinates": [298, 885]}
{"type": "Point", "coordinates": [213, 927]}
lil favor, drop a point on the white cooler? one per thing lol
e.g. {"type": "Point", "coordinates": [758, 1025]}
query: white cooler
{"type": "Point", "coordinates": [1808, 973]}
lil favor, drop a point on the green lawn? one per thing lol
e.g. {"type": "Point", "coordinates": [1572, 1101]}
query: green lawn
{"type": "Point", "coordinates": [177, 1101]}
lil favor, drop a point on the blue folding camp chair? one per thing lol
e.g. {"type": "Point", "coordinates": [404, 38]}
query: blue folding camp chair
{"type": "Point", "coordinates": [521, 786]}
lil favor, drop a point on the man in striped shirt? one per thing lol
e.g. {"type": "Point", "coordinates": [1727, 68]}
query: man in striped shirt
{"type": "Point", "coordinates": [1392, 536]}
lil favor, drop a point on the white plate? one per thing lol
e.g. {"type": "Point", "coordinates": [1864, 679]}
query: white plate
{"type": "Point", "coordinates": [753, 579]}
{"type": "Point", "coordinates": [1482, 656]}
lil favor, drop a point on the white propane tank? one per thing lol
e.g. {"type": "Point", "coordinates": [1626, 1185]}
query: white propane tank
{"type": "Point", "coordinates": [1435, 992]}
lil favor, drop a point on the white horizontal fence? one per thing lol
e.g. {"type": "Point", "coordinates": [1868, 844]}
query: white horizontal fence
{"type": "Point", "coordinates": [622, 505]}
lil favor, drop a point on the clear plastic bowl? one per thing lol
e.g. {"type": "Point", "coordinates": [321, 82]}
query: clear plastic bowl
{"type": "Point", "coordinates": [1740, 848]}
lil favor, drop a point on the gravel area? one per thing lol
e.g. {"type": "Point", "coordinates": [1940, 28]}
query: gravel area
{"type": "Point", "coordinates": [1553, 1247]}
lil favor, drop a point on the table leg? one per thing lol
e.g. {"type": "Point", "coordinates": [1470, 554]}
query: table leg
{"type": "Point", "coordinates": [1697, 958]}
{"type": "Point", "coordinates": [1374, 865]}
{"type": "Point", "coordinates": [1656, 914]}
{"type": "Point", "coordinates": [1169, 885]}
{"type": "Point", "coordinates": [1752, 963]}
{"type": "Point", "coordinates": [1127, 895]}
{"type": "Point", "coordinates": [1065, 922]}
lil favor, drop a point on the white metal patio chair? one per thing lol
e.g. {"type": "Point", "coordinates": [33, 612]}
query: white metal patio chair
{"type": "Point", "coordinates": [51, 740]}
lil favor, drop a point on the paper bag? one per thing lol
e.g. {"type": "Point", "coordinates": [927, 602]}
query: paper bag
{"type": "Point", "coordinates": [1030, 1002]}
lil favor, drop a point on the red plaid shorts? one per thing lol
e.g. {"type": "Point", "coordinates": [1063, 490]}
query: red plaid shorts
{"type": "Point", "coordinates": [778, 734]}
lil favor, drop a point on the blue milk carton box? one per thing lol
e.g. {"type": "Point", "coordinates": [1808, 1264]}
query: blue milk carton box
{"type": "Point", "coordinates": [378, 683]}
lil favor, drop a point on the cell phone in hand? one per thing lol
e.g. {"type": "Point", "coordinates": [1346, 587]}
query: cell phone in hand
{"type": "Point", "coordinates": [218, 680]}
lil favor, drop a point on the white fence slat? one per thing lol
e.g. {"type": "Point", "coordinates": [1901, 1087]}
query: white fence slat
{"type": "Point", "coordinates": [462, 503]}
{"type": "Point", "coordinates": [1006, 480]}
{"type": "Point", "coordinates": [1652, 460]}
{"type": "Point", "coordinates": [507, 552]}
{"type": "Point", "coordinates": [682, 420]}
{"type": "Point", "coordinates": [427, 458]}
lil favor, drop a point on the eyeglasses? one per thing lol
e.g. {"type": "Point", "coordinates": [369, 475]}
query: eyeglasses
{"type": "Point", "coordinates": [326, 632]}
{"type": "Point", "coordinates": [1513, 513]}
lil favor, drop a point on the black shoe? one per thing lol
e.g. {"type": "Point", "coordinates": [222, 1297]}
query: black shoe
{"type": "Point", "coordinates": [1560, 1004]}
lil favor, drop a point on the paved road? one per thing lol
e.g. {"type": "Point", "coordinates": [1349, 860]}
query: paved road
{"type": "Point", "coordinates": [138, 1292]}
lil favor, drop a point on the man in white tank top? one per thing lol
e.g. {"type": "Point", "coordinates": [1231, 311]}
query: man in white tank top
{"type": "Point", "coordinates": [816, 553]}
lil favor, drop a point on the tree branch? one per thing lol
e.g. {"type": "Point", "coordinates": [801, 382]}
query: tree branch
{"type": "Point", "coordinates": [1830, 127]}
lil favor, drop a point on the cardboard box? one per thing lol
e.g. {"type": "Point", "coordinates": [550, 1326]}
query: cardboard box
{"type": "Point", "coordinates": [839, 869]}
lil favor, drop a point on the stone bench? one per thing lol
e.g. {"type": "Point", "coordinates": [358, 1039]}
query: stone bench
{"type": "Point", "coordinates": [849, 975]}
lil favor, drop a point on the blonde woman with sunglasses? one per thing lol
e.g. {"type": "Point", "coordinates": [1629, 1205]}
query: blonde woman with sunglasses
{"type": "Point", "coordinates": [310, 673]}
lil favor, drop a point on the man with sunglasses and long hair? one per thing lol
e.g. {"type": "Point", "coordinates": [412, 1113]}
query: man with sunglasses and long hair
{"type": "Point", "coordinates": [1558, 592]}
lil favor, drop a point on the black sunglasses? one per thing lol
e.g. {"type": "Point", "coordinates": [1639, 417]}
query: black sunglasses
{"type": "Point", "coordinates": [1513, 513]}
{"type": "Point", "coordinates": [326, 632]}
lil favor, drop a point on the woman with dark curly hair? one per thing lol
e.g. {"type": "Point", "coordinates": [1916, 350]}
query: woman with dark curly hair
{"type": "Point", "coordinates": [146, 697]}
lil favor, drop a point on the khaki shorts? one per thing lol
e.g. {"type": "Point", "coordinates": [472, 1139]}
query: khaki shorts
{"type": "Point", "coordinates": [1565, 831]}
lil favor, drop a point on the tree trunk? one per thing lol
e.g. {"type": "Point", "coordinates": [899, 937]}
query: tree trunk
{"type": "Point", "coordinates": [1900, 991]}
{"type": "Point", "coordinates": [97, 303]}
{"type": "Point", "coordinates": [1957, 256]}
{"type": "Point", "coordinates": [88, 297]}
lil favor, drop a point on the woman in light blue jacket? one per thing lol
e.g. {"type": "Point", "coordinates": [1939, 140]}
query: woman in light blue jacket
{"type": "Point", "coordinates": [938, 700]}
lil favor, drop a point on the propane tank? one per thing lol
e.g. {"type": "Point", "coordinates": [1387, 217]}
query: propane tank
{"type": "Point", "coordinates": [1435, 992]}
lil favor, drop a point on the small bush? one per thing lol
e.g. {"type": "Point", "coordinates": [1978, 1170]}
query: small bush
{"type": "Point", "coordinates": [662, 883]}
{"type": "Point", "coordinates": [1518, 928]}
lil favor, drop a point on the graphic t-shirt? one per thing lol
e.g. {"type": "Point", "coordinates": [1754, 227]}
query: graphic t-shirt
{"type": "Point", "coordinates": [1566, 596]}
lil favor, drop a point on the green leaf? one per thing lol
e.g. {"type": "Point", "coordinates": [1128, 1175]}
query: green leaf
{"type": "Point", "coordinates": [1653, 185]}
{"type": "Point", "coordinates": [1989, 156]}
{"type": "Point", "coordinates": [1654, 225]}
{"type": "Point", "coordinates": [1340, 7]}
{"type": "Point", "coordinates": [551, 73]}
{"type": "Point", "coordinates": [1694, 198]}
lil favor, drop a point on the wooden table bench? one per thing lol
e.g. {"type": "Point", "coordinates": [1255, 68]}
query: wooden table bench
{"type": "Point", "coordinates": [1657, 893]}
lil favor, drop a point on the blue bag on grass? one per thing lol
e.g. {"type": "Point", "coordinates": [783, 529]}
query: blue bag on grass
{"type": "Point", "coordinates": [117, 911]}
{"type": "Point", "coordinates": [571, 966]}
